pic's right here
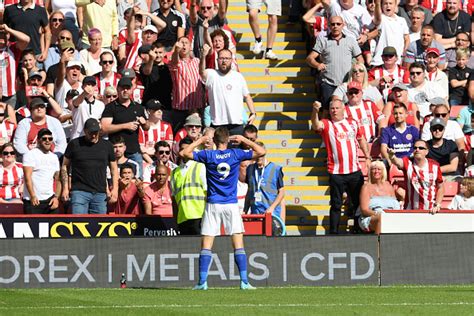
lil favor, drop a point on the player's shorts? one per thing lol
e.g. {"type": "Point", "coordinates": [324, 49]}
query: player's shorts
{"type": "Point", "coordinates": [216, 215]}
{"type": "Point", "coordinates": [273, 6]}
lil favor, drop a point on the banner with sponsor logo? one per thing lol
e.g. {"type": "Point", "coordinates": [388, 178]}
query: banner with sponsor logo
{"type": "Point", "coordinates": [173, 262]}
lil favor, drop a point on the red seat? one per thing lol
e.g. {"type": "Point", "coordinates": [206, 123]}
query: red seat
{"type": "Point", "coordinates": [455, 109]}
{"type": "Point", "coordinates": [451, 188]}
{"type": "Point", "coordinates": [11, 208]}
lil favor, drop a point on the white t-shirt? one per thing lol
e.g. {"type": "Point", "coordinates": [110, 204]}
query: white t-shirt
{"type": "Point", "coordinates": [356, 18]}
{"type": "Point", "coordinates": [82, 113]}
{"type": "Point", "coordinates": [421, 94]}
{"type": "Point", "coordinates": [452, 131]}
{"type": "Point", "coordinates": [226, 95]}
{"type": "Point", "coordinates": [44, 166]}
{"type": "Point", "coordinates": [67, 7]}
{"type": "Point", "coordinates": [392, 32]}
{"type": "Point", "coordinates": [461, 203]}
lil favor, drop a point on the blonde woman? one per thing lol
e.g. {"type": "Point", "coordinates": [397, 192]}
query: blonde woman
{"type": "Point", "coordinates": [359, 74]}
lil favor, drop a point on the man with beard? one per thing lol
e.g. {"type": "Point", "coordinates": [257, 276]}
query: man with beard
{"type": "Point", "coordinates": [416, 50]}
{"type": "Point", "coordinates": [450, 22]}
{"type": "Point", "coordinates": [226, 88]}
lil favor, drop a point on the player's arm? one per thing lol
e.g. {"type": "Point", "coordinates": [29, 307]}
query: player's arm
{"type": "Point", "coordinates": [188, 151]}
{"type": "Point", "coordinates": [258, 151]}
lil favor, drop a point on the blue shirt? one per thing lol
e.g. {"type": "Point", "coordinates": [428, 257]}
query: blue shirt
{"type": "Point", "coordinates": [464, 118]}
{"type": "Point", "coordinates": [401, 143]}
{"type": "Point", "coordinates": [222, 173]}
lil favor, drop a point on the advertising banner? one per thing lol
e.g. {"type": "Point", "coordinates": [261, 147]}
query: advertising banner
{"type": "Point", "coordinates": [173, 262]}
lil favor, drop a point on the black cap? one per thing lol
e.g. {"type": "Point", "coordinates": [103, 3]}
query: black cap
{"type": "Point", "coordinates": [92, 125]}
{"type": "Point", "coordinates": [154, 105]}
{"type": "Point", "coordinates": [124, 82]}
{"type": "Point", "coordinates": [44, 131]}
{"type": "Point", "coordinates": [144, 49]}
{"type": "Point", "coordinates": [89, 80]}
{"type": "Point", "coordinates": [37, 101]}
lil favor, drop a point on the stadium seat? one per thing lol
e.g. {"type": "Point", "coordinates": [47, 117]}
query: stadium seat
{"type": "Point", "coordinates": [455, 109]}
{"type": "Point", "coordinates": [11, 208]}
{"type": "Point", "coordinates": [450, 190]}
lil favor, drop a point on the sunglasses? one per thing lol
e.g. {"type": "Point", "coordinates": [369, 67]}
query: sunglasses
{"type": "Point", "coordinates": [388, 56]}
{"type": "Point", "coordinates": [110, 95]}
{"type": "Point", "coordinates": [39, 106]}
{"type": "Point", "coordinates": [110, 62]}
{"type": "Point", "coordinates": [194, 126]}
{"type": "Point", "coordinates": [437, 129]}
{"type": "Point", "coordinates": [65, 38]}
{"type": "Point", "coordinates": [6, 153]}
{"type": "Point", "coordinates": [336, 24]}
{"type": "Point", "coordinates": [47, 139]}
{"type": "Point", "coordinates": [441, 114]}
{"type": "Point", "coordinates": [419, 148]}
{"type": "Point", "coordinates": [358, 70]}
{"type": "Point", "coordinates": [206, 8]}
{"type": "Point", "coordinates": [57, 20]}
{"type": "Point", "coordinates": [161, 152]}
{"type": "Point", "coordinates": [417, 73]}
{"type": "Point", "coordinates": [350, 92]}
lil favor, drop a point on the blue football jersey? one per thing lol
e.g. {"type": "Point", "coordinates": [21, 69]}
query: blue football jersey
{"type": "Point", "coordinates": [222, 173]}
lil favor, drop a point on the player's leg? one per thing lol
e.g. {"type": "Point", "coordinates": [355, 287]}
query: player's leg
{"type": "Point", "coordinates": [253, 8]}
{"type": "Point", "coordinates": [273, 11]}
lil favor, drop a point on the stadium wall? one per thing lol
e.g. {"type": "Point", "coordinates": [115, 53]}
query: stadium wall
{"type": "Point", "coordinates": [173, 262]}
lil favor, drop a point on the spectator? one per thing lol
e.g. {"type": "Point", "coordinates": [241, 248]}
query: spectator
{"type": "Point", "coordinates": [56, 24]}
{"type": "Point", "coordinates": [30, 65]}
{"type": "Point", "coordinates": [157, 196]}
{"type": "Point", "coordinates": [197, 18]}
{"type": "Point", "coordinates": [376, 195]}
{"type": "Point", "coordinates": [110, 95]}
{"type": "Point", "coordinates": [69, 10]}
{"type": "Point", "coordinates": [107, 76]}
{"type": "Point", "coordinates": [90, 57]}
{"type": "Point", "coordinates": [358, 73]}
{"type": "Point", "coordinates": [25, 138]}
{"type": "Point", "coordinates": [174, 26]}
{"type": "Point", "coordinates": [218, 40]}
{"type": "Point", "coordinates": [433, 73]}
{"type": "Point", "coordinates": [462, 41]}
{"type": "Point", "coordinates": [189, 191]}
{"type": "Point", "coordinates": [122, 118]}
{"type": "Point", "coordinates": [64, 41]}
{"type": "Point", "coordinates": [188, 93]}
{"type": "Point", "coordinates": [343, 166]}
{"type": "Point", "coordinates": [273, 12]}
{"type": "Point", "coordinates": [129, 192]}
{"type": "Point", "coordinates": [156, 78]}
{"type": "Point", "coordinates": [393, 30]}
{"type": "Point", "coordinates": [7, 128]}
{"type": "Point", "coordinates": [465, 199]}
{"type": "Point", "coordinates": [450, 22]}
{"type": "Point", "coordinates": [452, 129]}
{"type": "Point", "coordinates": [69, 77]}
{"type": "Point", "coordinates": [162, 155]}
{"type": "Point", "coordinates": [119, 152]}
{"type": "Point", "coordinates": [85, 106]}
{"type": "Point", "coordinates": [88, 157]}
{"type": "Point", "coordinates": [399, 96]}
{"type": "Point", "coordinates": [416, 23]}
{"type": "Point", "coordinates": [364, 112]}
{"type": "Point", "coordinates": [31, 20]}
{"type": "Point", "coordinates": [389, 73]}
{"type": "Point", "coordinates": [11, 185]}
{"type": "Point", "coordinates": [335, 52]}
{"type": "Point", "coordinates": [425, 187]}
{"type": "Point", "coordinates": [159, 130]}
{"type": "Point", "coordinates": [99, 15]}
{"type": "Point", "coordinates": [416, 50]}
{"type": "Point", "coordinates": [192, 128]}
{"type": "Point", "coordinates": [411, 6]}
{"type": "Point", "coordinates": [136, 95]}
{"type": "Point", "coordinates": [125, 8]}
{"type": "Point", "coordinates": [226, 88]}
{"type": "Point", "coordinates": [10, 54]}
{"type": "Point", "coordinates": [459, 78]}
{"type": "Point", "coordinates": [421, 90]}
{"type": "Point", "coordinates": [41, 172]}
{"type": "Point", "coordinates": [444, 151]}
{"type": "Point", "coordinates": [399, 136]}
{"type": "Point", "coordinates": [266, 189]}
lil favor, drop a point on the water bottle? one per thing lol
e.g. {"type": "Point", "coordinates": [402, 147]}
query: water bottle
{"type": "Point", "coordinates": [123, 282]}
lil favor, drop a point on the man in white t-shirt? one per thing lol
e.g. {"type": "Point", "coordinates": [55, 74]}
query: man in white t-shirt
{"type": "Point", "coordinates": [41, 172]}
{"type": "Point", "coordinates": [226, 89]}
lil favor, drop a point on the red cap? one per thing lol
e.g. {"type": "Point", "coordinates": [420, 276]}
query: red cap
{"type": "Point", "coordinates": [354, 85]}
{"type": "Point", "coordinates": [432, 50]}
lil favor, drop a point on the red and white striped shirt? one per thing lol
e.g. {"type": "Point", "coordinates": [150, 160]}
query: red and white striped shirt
{"type": "Point", "coordinates": [422, 184]}
{"type": "Point", "coordinates": [12, 181]}
{"type": "Point", "coordinates": [188, 91]}
{"type": "Point", "coordinates": [342, 145]}
{"type": "Point", "coordinates": [366, 115]}
{"type": "Point", "coordinates": [103, 83]}
{"type": "Point", "coordinates": [435, 6]}
{"type": "Point", "coordinates": [8, 65]}
{"type": "Point", "coordinates": [399, 75]}
{"type": "Point", "coordinates": [468, 6]}
{"type": "Point", "coordinates": [161, 131]}
{"type": "Point", "coordinates": [130, 50]}
{"type": "Point", "coordinates": [7, 129]}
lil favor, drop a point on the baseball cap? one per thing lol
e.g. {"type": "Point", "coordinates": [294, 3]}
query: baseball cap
{"type": "Point", "coordinates": [89, 80]}
{"type": "Point", "coordinates": [73, 63]}
{"type": "Point", "coordinates": [92, 125]}
{"type": "Point", "coordinates": [128, 73]}
{"type": "Point", "coordinates": [400, 86]}
{"type": "Point", "coordinates": [150, 27]}
{"type": "Point", "coordinates": [37, 101]}
{"type": "Point", "coordinates": [193, 119]}
{"type": "Point", "coordinates": [437, 101]}
{"type": "Point", "coordinates": [125, 82]}
{"type": "Point", "coordinates": [437, 121]}
{"type": "Point", "coordinates": [34, 74]}
{"type": "Point", "coordinates": [144, 49]}
{"type": "Point", "coordinates": [354, 85]}
{"type": "Point", "coordinates": [66, 45]}
{"type": "Point", "coordinates": [154, 105]}
{"type": "Point", "coordinates": [389, 50]}
{"type": "Point", "coordinates": [432, 50]}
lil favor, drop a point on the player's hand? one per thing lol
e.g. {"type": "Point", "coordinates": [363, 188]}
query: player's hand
{"type": "Point", "coordinates": [65, 195]}
{"type": "Point", "coordinates": [205, 50]}
{"type": "Point", "coordinates": [270, 210]}
{"type": "Point", "coordinates": [43, 56]}
{"type": "Point", "coordinates": [316, 106]}
{"type": "Point", "coordinates": [321, 67]}
{"type": "Point", "coordinates": [132, 126]}
{"type": "Point", "coordinates": [113, 197]}
{"type": "Point", "coordinates": [178, 46]}
{"type": "Point", "coordinates": [205, 23]}
{"type": "Point", "coordinates": [152, 54]}
{"type": "Point", "coordinates": [34, 201]}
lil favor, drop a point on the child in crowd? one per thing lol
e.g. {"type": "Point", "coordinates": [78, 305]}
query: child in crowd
{"type": "Point", "coordinates": [459, 79]}
{"type": "Point", "coordinates": [465, 199]}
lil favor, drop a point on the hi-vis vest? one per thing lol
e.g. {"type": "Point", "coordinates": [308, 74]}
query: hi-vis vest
{"type": "Point", "coordinates": [189, 192]}
{"type": "Point", "coordinates": [268, 188]}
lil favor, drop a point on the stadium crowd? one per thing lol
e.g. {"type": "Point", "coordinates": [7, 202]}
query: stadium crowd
{"type": "Point", "coordinates": [100, 98]}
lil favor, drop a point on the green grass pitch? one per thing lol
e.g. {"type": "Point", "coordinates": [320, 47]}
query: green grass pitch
{"type": "Point", "coordinates": [358, 300]}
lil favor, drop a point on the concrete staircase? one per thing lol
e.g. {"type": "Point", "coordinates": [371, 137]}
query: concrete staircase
{"type": "Point", "coordinates": [283, 94]}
